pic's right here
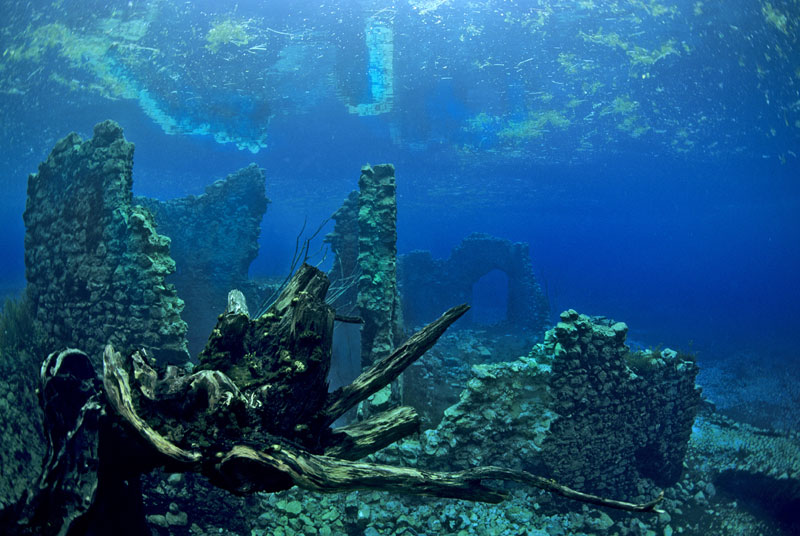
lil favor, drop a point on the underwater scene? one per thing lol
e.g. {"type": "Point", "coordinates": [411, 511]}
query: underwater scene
{"type": "Point", "coordinates": [410, 267]}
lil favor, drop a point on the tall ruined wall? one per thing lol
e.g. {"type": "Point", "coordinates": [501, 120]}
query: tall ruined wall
{"type": "Point", "coordinates": [214, 239]}
{"type": "Point", "coordinates": [575, 410]}
{"type": "Point", "coordinates": [94, 262]}
{"type": "Point", "coordinates": [429, 286]}
{"type": "Point", "coordinates": [378, 301]}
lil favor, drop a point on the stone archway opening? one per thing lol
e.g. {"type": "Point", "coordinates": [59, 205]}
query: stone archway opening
{"type": "Point", "coordinates": [490, 299]}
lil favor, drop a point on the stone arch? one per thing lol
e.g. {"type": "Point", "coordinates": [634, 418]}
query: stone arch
{"type": "Point", "coordinates": [429, 286]}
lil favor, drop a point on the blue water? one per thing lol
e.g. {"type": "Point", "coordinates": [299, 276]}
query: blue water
{"type": "Point", "coordinates": [649, 158]}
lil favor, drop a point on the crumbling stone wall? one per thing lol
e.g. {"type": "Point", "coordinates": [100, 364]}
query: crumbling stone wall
{"type": "Point", "coordinates": [628, 414]}
{"type": "Point", "coordinates": [429, 286]}
{"type": "Point", "coordinates": [574, 410]}
{"type": "Point", "coordinates": [94, 262]}
{"type": "Point", "coordinates": [214, 240]}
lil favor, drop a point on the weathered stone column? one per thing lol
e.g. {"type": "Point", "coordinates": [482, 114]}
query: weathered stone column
{"type": "Point", "coordinates": [378, 300]}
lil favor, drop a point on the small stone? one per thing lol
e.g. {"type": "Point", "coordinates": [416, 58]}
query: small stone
{"type": "Point", "coordinates": [669, 353]}
{"type": "Point", "coordinates": [330, 515]}
{"type": "Point", "coordinates": [620, 329]}
{"type": "Point", "coordinates": [382, 397]}
{"type": "Point", "coordinates": [158, 520]}
{"type": "Point", "coordinates": [294, 507]}
{"type": "Point", "coordinates": [179, 519]}
{"type": "Point", "coordinates": [604, 521]}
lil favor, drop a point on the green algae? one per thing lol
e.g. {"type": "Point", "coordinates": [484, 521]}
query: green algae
{"type": "Point", "coordinates": [624, 109]}
{"type": "Point", "coordinates": [638, 56]}
{"type": "Point", "coordinates": [83, 51]}
{"type": "Point", "coordinates": [227, 32]}
{"type": "Point", "coordinates": [653, 8]}
{"type": "Point", "coordinates": [535, 126]}
{"type": "Point", "coordinates": [774, 17]}
{"type": "Point", "coordinates": [621, 105]}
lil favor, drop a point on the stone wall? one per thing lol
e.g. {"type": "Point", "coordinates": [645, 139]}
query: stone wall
{"type": "Point", "coordinates": [574, 410]}
{"type": "Point", "coordinates": [94, 262]}
{"type": "Point", "coordinates": [624, 417]}
{"type": "Point", "coordinates": [214, 239]}
{"type": "Point", "coordinates": [429, 286]}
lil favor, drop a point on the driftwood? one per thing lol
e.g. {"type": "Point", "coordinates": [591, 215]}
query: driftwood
{"type": "Point", "coordinates": [255, 415]}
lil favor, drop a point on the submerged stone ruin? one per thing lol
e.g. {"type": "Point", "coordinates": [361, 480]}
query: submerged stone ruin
{"type": "Point", "coordinates": [426, 283]}
{"type": "Point", "coordinates": [255, 416]}
{"type": "Point", "coordinates": [95, 265]}
{"type": "Point", "coordinates": [214, 239]}
{"type": "Point", "coordinates": [105, 266]}
{"type": "Point", "coordinates": [378, 300]}
{"type": "Point", "coordinates": [343, 241]}
{"type": "Point", "coordinates": [581, 408]}
{"type": "Point", "coordinates": [364, 274]}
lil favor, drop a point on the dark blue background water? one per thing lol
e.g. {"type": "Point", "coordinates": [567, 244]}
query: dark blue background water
{"type": "Point", "coordinates": [689, 249]}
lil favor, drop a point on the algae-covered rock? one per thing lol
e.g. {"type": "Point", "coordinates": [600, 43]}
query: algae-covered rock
{"type": "Point", "coordinates": [364, 273]}
{"type": "Point", "coordinates": [343, 241]}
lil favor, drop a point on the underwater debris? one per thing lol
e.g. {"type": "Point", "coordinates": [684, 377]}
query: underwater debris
{"type": "Point", "coordinates": [264, 429]}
